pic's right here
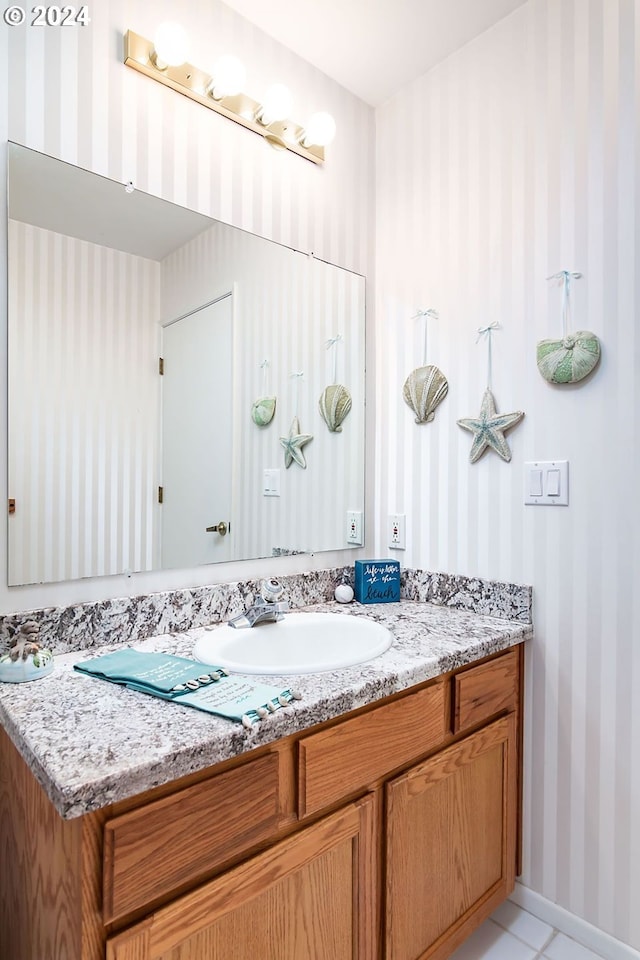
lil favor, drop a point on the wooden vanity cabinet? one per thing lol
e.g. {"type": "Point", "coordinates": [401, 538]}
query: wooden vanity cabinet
{"type": "Point", "coordinates": [450, 843]}
{"type": "Point", "coordinates": [307, 896]}
{"type": "Point", "coordinates": [389, 834]}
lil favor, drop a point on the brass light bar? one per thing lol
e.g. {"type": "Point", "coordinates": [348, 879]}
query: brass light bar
{"type": "Point", "coordinates": [193, 83]}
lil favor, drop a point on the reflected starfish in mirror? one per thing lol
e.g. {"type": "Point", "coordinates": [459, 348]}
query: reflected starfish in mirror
{"type": "Point", "coordinates": [293, 445]}
{"type": "Point", "coordinates": [489, 428]}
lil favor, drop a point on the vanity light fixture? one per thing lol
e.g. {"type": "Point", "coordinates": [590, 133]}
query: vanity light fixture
{"type": "Point", "coordinates": [164, 60]}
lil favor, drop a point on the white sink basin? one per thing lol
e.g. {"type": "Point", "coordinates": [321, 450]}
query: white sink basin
{"type": "Point", "coordinates": [299, 643]}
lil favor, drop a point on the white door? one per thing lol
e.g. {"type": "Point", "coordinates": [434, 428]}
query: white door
{"type": "Point", "coordinates": [197, 436]}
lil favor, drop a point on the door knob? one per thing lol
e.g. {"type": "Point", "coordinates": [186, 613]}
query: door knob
{"type": "Point", "coordinates": [220, 528]}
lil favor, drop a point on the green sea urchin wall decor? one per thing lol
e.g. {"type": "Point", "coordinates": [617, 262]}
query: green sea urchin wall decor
{"type": "Point", "coordinates": [572, 358]}
{"type": "Point", "coordinates": [568, 360]}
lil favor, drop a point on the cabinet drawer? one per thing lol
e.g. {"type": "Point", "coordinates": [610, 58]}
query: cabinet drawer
{"type": "Point", "coordinates": [157, 848]}
{"type": "Point", "coordinates": [338, 761]}
{"type": "Point", "coordinates": [483, 691]}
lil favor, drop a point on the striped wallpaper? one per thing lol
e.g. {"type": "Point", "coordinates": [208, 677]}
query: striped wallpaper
{"type": "Point", "coordinates": [83, 408]}
{"type": "Point", "coordinates": [513, 159]}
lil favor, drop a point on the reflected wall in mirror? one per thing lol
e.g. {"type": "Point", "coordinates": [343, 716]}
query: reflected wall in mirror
{"type": "Point", "coordinates": [102, 283]}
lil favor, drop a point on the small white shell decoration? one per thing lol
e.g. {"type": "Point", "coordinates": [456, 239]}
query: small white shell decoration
{"type": "Point", "coordinates": [343, 593]}
{"type": "Point", "coordinates": [570, 359]}
{"type": "Point", "coordinates": [423, 390]}
{"type": "Point", "coordinates": [262, 411]}
{"type": "Point", "coordinates": [335, 404]}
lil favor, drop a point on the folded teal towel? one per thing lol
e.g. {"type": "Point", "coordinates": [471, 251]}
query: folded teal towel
{"type": "Point", "coordinates": [189, 683]}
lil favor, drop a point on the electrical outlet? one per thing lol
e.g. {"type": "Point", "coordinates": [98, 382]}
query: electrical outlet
{"type": "Point", "coordinates": [397, 531]}
{"type": "Point", "coordinates": [271, 483]}
{"type": "Point", "coordinates": [354, 527]}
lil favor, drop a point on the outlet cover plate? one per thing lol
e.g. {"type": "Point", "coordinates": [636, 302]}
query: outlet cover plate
{"type": "Point", "coordinates": [397, 531]}
{"type": "Point", "coordinates": [354, 527]}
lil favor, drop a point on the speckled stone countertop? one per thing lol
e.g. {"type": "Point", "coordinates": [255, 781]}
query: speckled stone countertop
{"type": "Point", "coordinates": [91, 743]}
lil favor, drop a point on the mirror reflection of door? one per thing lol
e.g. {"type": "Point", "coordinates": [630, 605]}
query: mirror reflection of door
{"type": "Point", "coordinates": [197, 435]}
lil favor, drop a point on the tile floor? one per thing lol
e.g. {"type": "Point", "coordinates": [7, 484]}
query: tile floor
{"type": "Point", "coordinates": [513, 934]}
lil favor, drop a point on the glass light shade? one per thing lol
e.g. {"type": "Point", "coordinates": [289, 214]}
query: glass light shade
{"type": "Point", "coordinates": [276, 105]}
{"type": "Point", "coordinates": [320, 130]}
{"type": "Point", "coordinates": [171, 44]}
{"type": "Point", "coordinates": [229, 76]}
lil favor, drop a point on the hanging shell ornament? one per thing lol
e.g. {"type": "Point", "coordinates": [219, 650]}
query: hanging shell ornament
{"type": "Point", "coordinates": [423, 390]}
{"type": "Point", "coordinates": [335, 404]}
{"type": "Point", "coordinates": [263, 410]}
{"type": "Point", "coordinates": [570, 359]}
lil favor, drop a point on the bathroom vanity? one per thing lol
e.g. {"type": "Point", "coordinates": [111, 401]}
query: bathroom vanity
{"type": "Point", "coordinates": [376, 818]}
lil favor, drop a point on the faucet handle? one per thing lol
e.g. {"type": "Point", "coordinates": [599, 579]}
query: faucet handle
{"type": "Point", "coordinates": [271, 590]}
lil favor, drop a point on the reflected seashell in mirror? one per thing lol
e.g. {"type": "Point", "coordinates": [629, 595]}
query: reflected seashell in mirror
{"type": "Point", "coordinates": [335, 404]}
{"type": "Point", "coordinates": [263, 410]}
{"type": "Point", "coordinates": [423, 390]}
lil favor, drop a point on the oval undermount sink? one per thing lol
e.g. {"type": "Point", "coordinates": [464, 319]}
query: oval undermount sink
{"type": "Point", "coordinates": [299, 643]}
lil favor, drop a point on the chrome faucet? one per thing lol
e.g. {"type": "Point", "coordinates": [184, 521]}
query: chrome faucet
{"type": "Point", "coordinates": [267, 608]}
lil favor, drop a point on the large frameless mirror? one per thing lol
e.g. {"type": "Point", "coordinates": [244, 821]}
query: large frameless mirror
{"type": "Point", "coordinates": [142, 339]}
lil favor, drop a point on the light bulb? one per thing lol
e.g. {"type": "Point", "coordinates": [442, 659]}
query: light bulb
{"type": "Point", "coordinates": [171, 45]}
{"type": "Point", "coordinates": [276, 105]}
{"type": "Point", "coordinates": [229, 77]}
{"type": "Point", "coordinates": [320, 130]}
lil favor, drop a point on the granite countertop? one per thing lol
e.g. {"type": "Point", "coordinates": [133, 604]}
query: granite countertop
{"type": "Point", "coordinates": [91, 743]}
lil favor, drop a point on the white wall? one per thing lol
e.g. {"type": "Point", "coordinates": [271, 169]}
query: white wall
{"type": "Point", "coordinates": [66, 92]}
{"type": "Point", "coordinates": [515, 158]}
{"type": "Point", "coordinates": [286, 307]}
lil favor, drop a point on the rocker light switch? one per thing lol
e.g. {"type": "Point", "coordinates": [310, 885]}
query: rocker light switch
{"type": "Point", "coordinates": [546, 482]}
{"type": "Point", "coordinates": [535, 483]}
{"type": "Point", "coordinates": [553, 483]}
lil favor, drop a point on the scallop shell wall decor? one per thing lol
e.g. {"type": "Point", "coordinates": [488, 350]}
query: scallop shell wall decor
{"type": "Point", "coordinates": [335, 404]}
{"type": "Point", "coordinates": [423, 390]}
{"type": "Point", "coordinates": [570, 359]}
{"type": "Point", "coordinates": [262, 411]}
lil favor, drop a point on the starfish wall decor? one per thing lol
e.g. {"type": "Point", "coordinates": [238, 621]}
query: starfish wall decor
{"type": "Point", "coordinates": [489, 427]}
{"type": "Point", "coordinates": [293, 445]}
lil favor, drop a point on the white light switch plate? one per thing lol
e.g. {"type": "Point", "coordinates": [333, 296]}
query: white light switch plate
{"type": "Point", "coordinates": [271, 483]}
{"type": "Point", "coordinates": [546, 483]}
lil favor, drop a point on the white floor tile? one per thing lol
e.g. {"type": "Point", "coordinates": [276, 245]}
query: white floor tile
{"type": "Point", "coordinates": [523, 925]}
{"type": "Point", "coordinates": [491, 942]}
{"type": "Point", "coordinates": [564, 948]}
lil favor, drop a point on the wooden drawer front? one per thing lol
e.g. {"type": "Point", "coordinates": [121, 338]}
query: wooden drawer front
{"type": "Point", "coordinates": [355, 753]}
{"type": "Point", "coordinates": [153, 850]}
{"type": "Point", "coordinates": [482, 692]}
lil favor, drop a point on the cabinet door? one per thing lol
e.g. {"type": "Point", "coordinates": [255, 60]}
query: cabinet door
{"type": "Point", "coordinates": [311, 896]}
{"type": "Point", "coordinates": [451, 843]}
